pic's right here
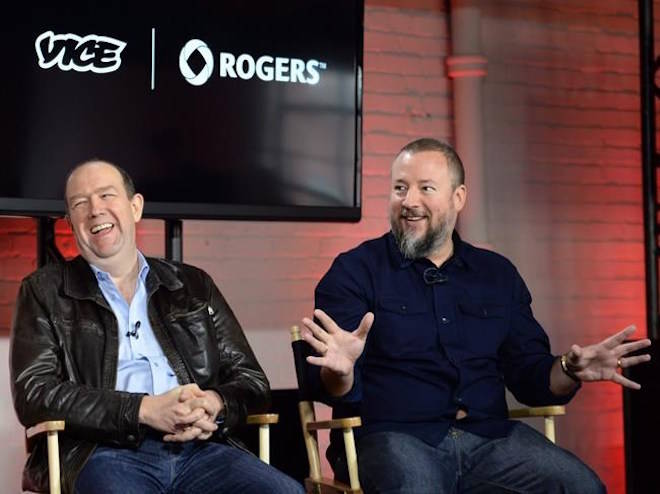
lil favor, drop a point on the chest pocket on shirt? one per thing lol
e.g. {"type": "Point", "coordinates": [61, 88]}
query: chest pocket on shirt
{"type": "Point", "coordinates": [483, 326]}
{"type": "Point", "coordinates": [402, 326]}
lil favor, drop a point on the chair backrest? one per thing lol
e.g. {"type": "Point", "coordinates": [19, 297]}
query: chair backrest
{"type": "Point", "coordinates": [316, 483]}
{"type": "Point", "coordinates": [301, 350]}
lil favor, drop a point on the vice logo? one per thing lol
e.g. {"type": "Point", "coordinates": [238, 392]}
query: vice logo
{"type": "Point", "coordinates": [99, 54]}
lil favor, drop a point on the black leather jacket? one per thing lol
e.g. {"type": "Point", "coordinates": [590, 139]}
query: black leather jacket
{"type": "Point", "coordinates": [63, 358]}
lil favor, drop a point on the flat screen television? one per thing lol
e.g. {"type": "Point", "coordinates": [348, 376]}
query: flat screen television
{"type": "Point", "coordinates": [218, 109]}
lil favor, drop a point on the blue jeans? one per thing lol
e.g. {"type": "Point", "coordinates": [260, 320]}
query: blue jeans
{"type": "Point", "coordinates": [193, 467]}
{"type": "Point", "coordinates": [523, 462]}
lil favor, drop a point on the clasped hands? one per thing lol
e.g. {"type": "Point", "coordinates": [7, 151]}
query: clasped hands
{"type": "Point", "coordinates": [184, 413]}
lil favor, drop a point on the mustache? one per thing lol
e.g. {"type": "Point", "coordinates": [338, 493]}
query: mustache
{"type": "Point", "coordinates": [410, 212]}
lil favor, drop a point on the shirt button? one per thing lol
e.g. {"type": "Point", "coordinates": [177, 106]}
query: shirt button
{"type": "Point", "coordinates": [444, 320]}
{"type": "Point", "coordinates": [131, 438]}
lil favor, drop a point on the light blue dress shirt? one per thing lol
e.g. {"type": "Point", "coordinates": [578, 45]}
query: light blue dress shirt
{"type": "Point", "coordinates": [142, 367]}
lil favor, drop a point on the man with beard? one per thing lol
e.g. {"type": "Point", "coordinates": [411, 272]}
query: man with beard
{"type": "Point", "coordinates": [439, 328]}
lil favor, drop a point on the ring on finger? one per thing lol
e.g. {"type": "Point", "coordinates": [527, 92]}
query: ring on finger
{"type": "Point", "coordinates": [618, 363]}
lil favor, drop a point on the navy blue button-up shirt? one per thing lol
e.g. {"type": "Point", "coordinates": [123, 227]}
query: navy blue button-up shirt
{"type": "Point", "coordinates": [442, 340]}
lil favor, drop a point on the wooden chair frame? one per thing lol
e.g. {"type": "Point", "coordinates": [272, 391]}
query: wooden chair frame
{"type": "Point", "coordinates": [52, 427]}
{"type": "Point", "coordinates": [317, 484]}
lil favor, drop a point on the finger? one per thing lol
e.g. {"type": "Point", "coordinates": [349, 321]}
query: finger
{"type": "Point", "coordinates": [204, 436]}
{"type": "Point", "coordinates": [630, 361]}
{"type": "Point", "coordinates": [192, 417]}
{"type": "Point", "coordinates": [318, 361]}
{"type": "Point", "coordinates": [207, 404]}
{"type": "Point", "coordinates": [574, 354]}
{"type": "Point", "coordinates": [328, 364]}
{"type": "Point", "coordinates": [626, 348]}
{"type": "Point", "coordinates": [195, 389]}
{"type": "Point", "coordinates": [317, 345]}
{"type": "Point", "coordinates": [217, 401]}
{"type": "Point", "coordinates": [625, 382]}
{"type": "Point", "coordinates": [188, 391]}
{"type": "Point", "coordinates": [365, 325]}
{"type": "Point", "coordinates": [618, 338]}
{"type": "Point", "coordinates": [187, 434]}
{"type": "Point", "coordinates": [316, 330]}
{"type": "Point", "coordinates": [328, 323]}
{"type": "Point", "coordinates": [185, 395]}
{"type": "Point", "coordinates": [206, 425]}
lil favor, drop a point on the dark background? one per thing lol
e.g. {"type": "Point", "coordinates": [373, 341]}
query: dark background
{"type": "Point", "coordinates": [229, 148]}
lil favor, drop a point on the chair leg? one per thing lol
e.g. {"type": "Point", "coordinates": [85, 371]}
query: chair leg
{"type": "Point", "coordinates": [264, 443]}
{"type": "Point", "coordinates": [53, 462]}
{"type": "Point", "coordinates": [549, 423]}
{"type": "Point", "coordinates": [351, 458]}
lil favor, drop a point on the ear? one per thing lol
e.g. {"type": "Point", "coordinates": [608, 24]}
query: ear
{"type": "Point", "coordinates": [459, 196]}
{"type": "Point", "coordinates": [137, 205]}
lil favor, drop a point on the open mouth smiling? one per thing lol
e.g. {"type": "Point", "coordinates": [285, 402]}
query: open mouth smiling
{"type": "Point", "coordinates": [100, 228]}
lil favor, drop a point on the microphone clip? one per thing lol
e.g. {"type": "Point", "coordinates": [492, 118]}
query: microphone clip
{"type": "Point", "coordinates": [134, 332]}
{"type": "Point", "coordinates": [434, 275]}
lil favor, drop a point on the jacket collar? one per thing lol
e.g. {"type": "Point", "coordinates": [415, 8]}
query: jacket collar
{"type": "Point", "coordinates": [80, 282]}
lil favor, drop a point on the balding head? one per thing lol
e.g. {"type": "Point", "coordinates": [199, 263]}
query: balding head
{"type": "Point", "coordinates": [127, 181]}
{"type": "Point", "coordinates": [429, 144]}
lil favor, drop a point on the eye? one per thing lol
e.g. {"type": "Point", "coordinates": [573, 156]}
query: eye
{"type": "Point", "coordinates": [428, 188]}
{"type": "Point", "coordinates": [108, 195]}
{"type": "Point", "coordinates": [78, 204]}
{"type": "Point", "coordinates": [399, 189]}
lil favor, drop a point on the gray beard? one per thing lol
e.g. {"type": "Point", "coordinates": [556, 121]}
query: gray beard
{"type": "Point", "coordinates": [421, 247]}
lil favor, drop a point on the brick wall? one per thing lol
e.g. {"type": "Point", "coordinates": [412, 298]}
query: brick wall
{"type": "Point", "coordinates": [563, 187]}
{"type": "Point", "coordinates": [564, 196]}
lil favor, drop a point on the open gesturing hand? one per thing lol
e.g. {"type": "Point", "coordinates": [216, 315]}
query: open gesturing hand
{"type": "Point", "coordinates": [601, 361]}
{"type": "Point", "coordinates": [338, 349]}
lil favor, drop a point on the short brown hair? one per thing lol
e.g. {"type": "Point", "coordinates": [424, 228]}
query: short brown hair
{"type": "Point", "coordinates": [431, 144]}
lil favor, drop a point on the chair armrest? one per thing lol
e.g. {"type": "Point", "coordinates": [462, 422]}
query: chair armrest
{"type": "Point", "coordinates": [51, 428]}
{"type": "Point", "coordinates": [329, 486]}
{"type": "Point", "coordinates": [262, 418]}
{"type": "Point", "coordinates": [548, 414]}
{"type": "Point", "coordinates": [551, 411]}
{"type": "Point", "coordinates": [344, 423]}
{"type": "Point", "coordinates": [41, 427]}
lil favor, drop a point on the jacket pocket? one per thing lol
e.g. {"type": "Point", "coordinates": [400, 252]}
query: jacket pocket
{"type": "Point", "coordinates": [194, 338]}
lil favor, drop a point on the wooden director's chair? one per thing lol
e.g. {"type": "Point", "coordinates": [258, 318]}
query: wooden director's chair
{"type": "Point", "coordinates": [52, 427]}
{"type": "Point", "coordinates": [316, 483]}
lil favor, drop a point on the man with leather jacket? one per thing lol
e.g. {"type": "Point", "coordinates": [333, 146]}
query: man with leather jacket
{"type": "Point", "coordinates": [142, 358]}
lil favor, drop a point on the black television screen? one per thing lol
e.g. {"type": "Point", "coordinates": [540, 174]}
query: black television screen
{"type": "Point", "coordinates": [218, 109]}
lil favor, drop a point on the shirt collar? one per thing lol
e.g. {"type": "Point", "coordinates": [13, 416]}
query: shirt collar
{"type": "Point", "coordinates": [459, 257]}
{"type": "Point", "coordinates": [143, 270]}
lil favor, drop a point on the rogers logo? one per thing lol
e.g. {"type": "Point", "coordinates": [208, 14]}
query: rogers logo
{"type": "Point", "coordinates": [99, 54]}
{"type": "Point", "coordinates": [266, 68]}
{"type": "Point", "coordinates": [192, 46]}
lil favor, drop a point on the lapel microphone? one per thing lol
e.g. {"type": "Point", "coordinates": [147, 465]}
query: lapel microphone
{"type": "Point", "coordinates": [434, 275]}
{"type": "Point", "coordinates": [134, 333]}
